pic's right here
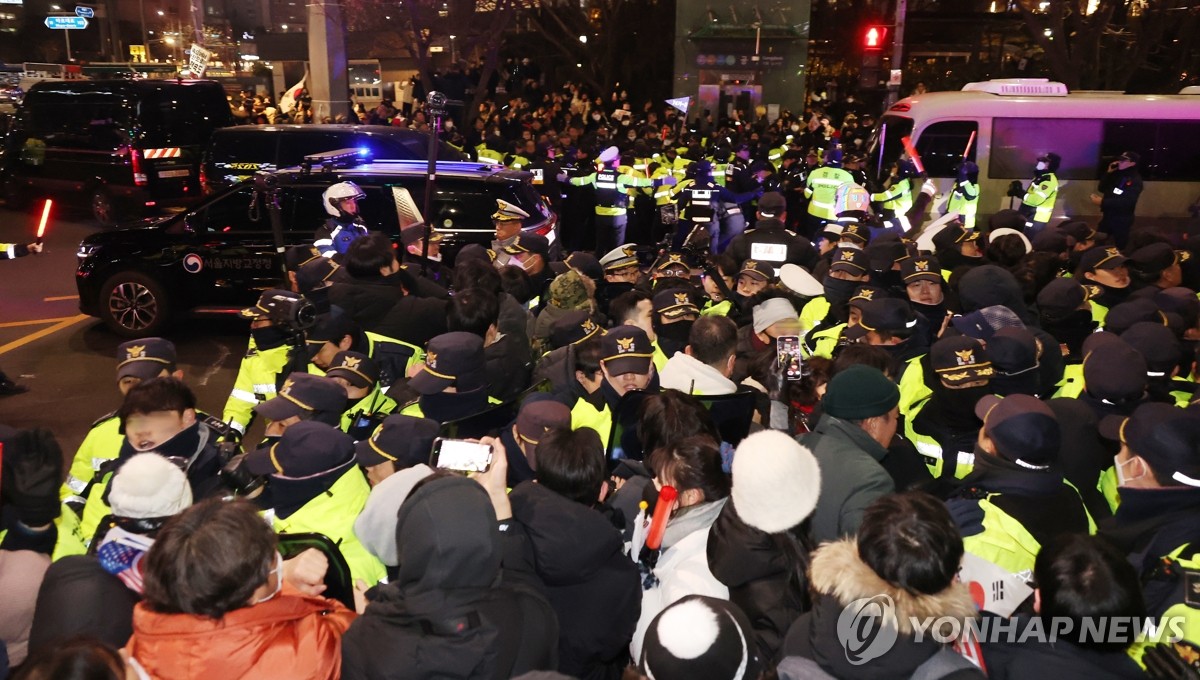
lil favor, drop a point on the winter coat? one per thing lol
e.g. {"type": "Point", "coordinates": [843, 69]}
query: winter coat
{"type": "Point", "coordinates": [592, 585]}
{"type": "Point", "coordinates": [21, 573]}
{"type": "Point", "coordinates": [839, 577]}
{"type": "Point", "coordinates": [452, 611]}
{"type": "Point", "coordinates": [509, 366]}
{"type": "Point", "coordinates": [1061, 660]}
{"type": "Point", "coordinates": [380, 306]}
{"type": "Point", "coordinates": [289, 636]}
{"type": "Point", "coordinates": [760, 580]}
{"type": "Point", "coordinates": [78, 597]}
{"type": "Point", "coordinates": [682, 567]}
{"type": "Point", "coordinates": [687, 374]}
{"type": "Point", "coordinates": [557, 366]}
{"type": "Point", "coordinates": [851, 476]}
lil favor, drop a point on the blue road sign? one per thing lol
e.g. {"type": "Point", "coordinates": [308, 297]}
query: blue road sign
{"type": "Point", "coordinates": [85, 12]}
{"type": "Point", "coordinates": [68, 23]}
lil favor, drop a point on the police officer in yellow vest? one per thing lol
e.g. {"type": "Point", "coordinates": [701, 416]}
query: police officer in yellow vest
{"type": "Point", "coordinates": [137, 360]}
{"type": "Point", "coordinates": [821, 191]}
{"type": "Point", "coordinates": [613, 190]}
{"type": "Point", "coordinates": [452, 381]}
{"type": "Point", "coordinates": [895, 200]}
{"type": "Point", "coordinates": [943, 426]}
{"type": "Point", "coordinates": [368, 405]}
{"type": "Point", "coordinates": [276, 349]}
{"type": "Point", "coordinates": [1106, 268]}
{"type": "Point", "coordinates": [964, 197]}
{"type": "Point", "coordinates": [1017, 485]}
{"type": "Point", "coordinates": [1037, 207]}
{"type": "Point", "coordinates": [1157, 525]}
{"type": "Point", "coordinates": [626, 365]}
{"type": "Point", "coordinates": [314, 485]}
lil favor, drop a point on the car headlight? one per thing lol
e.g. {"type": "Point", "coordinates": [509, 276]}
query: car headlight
{"type": "Point", "coordinates": [86, 249]}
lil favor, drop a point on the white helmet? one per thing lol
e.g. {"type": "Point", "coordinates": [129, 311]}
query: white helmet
{"type": "Point", "coordinates": [340, 192]}
{"type": "Point", "coordinates": [851, 198]}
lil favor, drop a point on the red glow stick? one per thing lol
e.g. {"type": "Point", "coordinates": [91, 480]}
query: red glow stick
{"type": "Point", "coordinates": [970, 141]}
{"type": "Point", "coordinates": [42, 225]}
{"type": "Point", "coordinates": [912, 153]}
{"type": "Point", "coordinates": [662, 512]}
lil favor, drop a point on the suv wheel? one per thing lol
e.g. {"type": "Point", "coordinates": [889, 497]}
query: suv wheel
{"type": "Point", "coordinates": [134, 305]}
{"type": "Point", "coordinates": [104, 210]}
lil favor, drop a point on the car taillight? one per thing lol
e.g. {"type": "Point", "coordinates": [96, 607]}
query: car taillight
{"type": "Point", "coordinates": [546, 227]}
{"type": "Point", "coordinates": [139, 177]}
{"type": "Point", "coordinates": [204, 188]}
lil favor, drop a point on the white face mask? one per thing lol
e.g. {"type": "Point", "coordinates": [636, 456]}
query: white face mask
{"type": "Point", "coordinates": [278, 571]}
{"type": "Point", "coordinates": [1041, 166]}
{"type": "Point", "coordinates": [1122, 480]}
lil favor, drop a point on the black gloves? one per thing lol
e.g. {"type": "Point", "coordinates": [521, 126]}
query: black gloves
{"type": "Point", "coordinates": [32, 473]}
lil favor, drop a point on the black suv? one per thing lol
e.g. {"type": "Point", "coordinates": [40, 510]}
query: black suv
{"type": "Point", "coordinates": [125, 148]}
{"type": "Point", "coordinates": [236, 153]}
{"type": "Point", "coordinates": [217, 257]}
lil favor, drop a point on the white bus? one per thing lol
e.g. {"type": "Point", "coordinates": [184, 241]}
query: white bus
{"type": "Point", "coordinates": [1015, 121]}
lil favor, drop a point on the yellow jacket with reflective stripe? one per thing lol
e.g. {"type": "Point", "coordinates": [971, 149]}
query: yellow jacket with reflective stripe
{"type": "Point", "coordinates": [913, 389]}
{"type": "Point", "coordinates": [813, 312]}
{"type": "Point", "coordinates": [964, 200]}
{"type": "Point", "coordinates": [332, 513]}
{"type": "Point", "coordinates": [1005, 542]}
{"type": "Point", "coordinates": [583, 414]}
{"type": "Point", "coordinates": [931, 450]}
{"type": "Point", "coordinates": [821, 190]}
{"type": "Point", "coordinates": [1041, 197]}
{"type": "Point", "coordinates": [255, 383]}
{"type": "Point", "coordinates": [102, 444]}
{"type": "Point", "coordinates": [897, 198]}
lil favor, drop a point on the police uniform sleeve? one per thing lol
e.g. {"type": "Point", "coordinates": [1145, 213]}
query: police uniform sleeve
{"type": "Point", "coordinates": [11, 251]}
{"type": "Point", "coordinates": [239, 407]}
{"type": "Point", "coordinates": [583, 181]}
{"type": "Point", "coordinates": [323, 241]}
{"type": "Point", "coordinates": [101, 443]}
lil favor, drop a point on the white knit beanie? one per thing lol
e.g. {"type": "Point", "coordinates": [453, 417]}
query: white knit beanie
{"type": "Point", "coordinates": [776, 481]}
{"type": "Point", "coordinates": [772, 311]}
{"type": "Point", "coordinates": [149, 485]}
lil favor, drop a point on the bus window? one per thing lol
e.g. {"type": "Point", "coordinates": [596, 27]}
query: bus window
{"type": "Point", "coordinates": [890, 130]}
{"type": "Point", "coordinates": [1170, 150]}
{"type": "Point", "coordinates": [1017, 142]}
{"type": "Point", "coordinates": [941, 146]}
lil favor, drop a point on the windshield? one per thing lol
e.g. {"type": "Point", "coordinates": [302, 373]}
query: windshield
{"type": "Point", "coordinates": [181, 115]}
{"type": "Point", "coordinates": [885, 146]}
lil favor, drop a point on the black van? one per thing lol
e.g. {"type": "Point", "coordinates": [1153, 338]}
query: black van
{"type": "Point", "coordinates": [236, 153]}
{"type": "Point", "coordinates": [126, 147]}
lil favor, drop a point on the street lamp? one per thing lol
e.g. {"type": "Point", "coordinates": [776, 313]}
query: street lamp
{"type": "Point", "coordinates": [583, 39]}
{"type": "Point", "coordinates": [453, 54]}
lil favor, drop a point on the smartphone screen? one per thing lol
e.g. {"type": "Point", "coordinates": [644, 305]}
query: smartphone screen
{"type": "Point", "coordinates": [461, 455]}
{"type": "Point", "coordinates": [789, 356]}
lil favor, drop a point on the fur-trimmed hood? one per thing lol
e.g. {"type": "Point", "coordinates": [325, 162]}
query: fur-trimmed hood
{"type": "Point", "coordinates": [837, 570]}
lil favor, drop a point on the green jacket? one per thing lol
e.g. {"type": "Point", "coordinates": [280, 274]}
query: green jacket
{"type": "Point", "coordinates": [851, 476]}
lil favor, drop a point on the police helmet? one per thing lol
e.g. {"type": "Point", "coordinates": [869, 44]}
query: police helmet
{"type": "Point", "coordinates": [339, 192]}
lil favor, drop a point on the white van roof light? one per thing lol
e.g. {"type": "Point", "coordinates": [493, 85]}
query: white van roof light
{"type": "Point", "coordinates": [1035, 87]}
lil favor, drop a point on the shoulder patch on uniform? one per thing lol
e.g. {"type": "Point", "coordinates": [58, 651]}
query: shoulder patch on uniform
{"type": "Point", "coordinates": [214, 423]}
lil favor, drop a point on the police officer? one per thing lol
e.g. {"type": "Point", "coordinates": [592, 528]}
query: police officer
{"type": "Point", "coordinates": [770, 240]}
{"type": "Point", "coordinates": [626, 364]}
{"type": "Point", "coordinates": [613, 190]}
{"type": "Point", "coordinates": [344, 224]}
{"type": "Point", "coordinates": [548, 176]}
{"type": "Point", "coordinates": [274, 351]}
{"type": "Point", "coordinates": [314, 485]}
{"type": "Point", "coordinates": [302, 397]}
{"type": "Point", "coordinates": [452, 381]}
{"type": "Point", "coordinates": [895, 200]}
{"type": "Point", "coordinates": [1118, 195]}
{"type": "Point", "coordinates": [1037, 206]}
{"type": "Point", "coordinates": [420, 256]}
{"type": "Point", "coordinates": [964, 197]}
{"type": "Point", "coordinates": [943, 426]}
{"type": "Point", "coordinates": [507, 221]}
{"type": "Point", "coordinates": [11, 251]}
{"type": "Point", "coordinates": [698, 199]}
{"type": "Point", "coordinates": [368, 405]}
{"type": "Point", "coordinates": [821, 191]}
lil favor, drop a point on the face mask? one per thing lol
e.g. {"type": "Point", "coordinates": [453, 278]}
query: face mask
{"type": "Point", "coordinates": [1041, 166]}
{"type": "Point", "coordinates": [838, 292]}
{"type": "Point", "coordinates": [795, 127]}
{"type": "Point", "coordinates": [673, 337]}
{"type": "Point", "coordinates": [269, 337]}
{"type": "Point", "coordinates": [595, 116]}
{"type": "Point", "coordinates": [1122, 480]}
{"type": "Point", "coordinates": [278, 571]}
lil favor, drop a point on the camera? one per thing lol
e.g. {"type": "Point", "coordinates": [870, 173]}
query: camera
{"type": "Point", "coordinates": [235, 475]}
{"type": "Point", "coordinates": [291, 311]}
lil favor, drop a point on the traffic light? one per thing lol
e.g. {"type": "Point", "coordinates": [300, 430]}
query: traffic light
{"type": "Point", "coordinates": [873, 37]}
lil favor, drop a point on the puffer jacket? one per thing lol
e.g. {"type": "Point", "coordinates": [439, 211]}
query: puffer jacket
{"type": "Point", "coordinates": [289, 636]}
{"type": "Point", "coordinates": [839, 578]}
{"type": "Point", "coordinates": [380, 306]}
{"type": "Point", "coordinates": [592, 585]}
{"type": "Point", "coordinates": [760, 579]}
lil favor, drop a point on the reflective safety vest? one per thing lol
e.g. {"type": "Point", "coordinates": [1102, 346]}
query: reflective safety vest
{"type": "Point", "coordinates": [964, 200]}
{"type": "Point", "coordinates": [609, 192]}
{"type": "Point", "coordinates": [1099, 314]}
{"type": "Point", "coordinates": [1109, 489]}
{"type": "Point", "coordinates": [393, 357]}
{"type": "Point", "coordinates": [487, 155]}
{"type": "Point", "coordinates": [414, 408]}
{"type": "Point", "coordinates": [257, 381]}
{"type": "Point", "coordinates": [699, 207]}
{"type": "Point", "coordinates": [931, 449]}
{"type": "Point", "coordinates": [913, 389]}
{"type": "Point", "coordinates": [518, 162]}
{"type": "Point", "coordinates": [821, 190]}
{"type": "Point", "coordinates": [814, 311]}
{"type": "Point", "coordinates": [583, 414]}
{"type": "Point", "coordinates": [102, 444]}
{"type": "Point", "coordinates": [658, 357]}
{"type": "Point", "coordinates": [717, 309]}
{"type": "Point", "coordinates": [360, 421]}
{"type": "Point", "coordinates": [1005, 542]}
{"type": "Point", "coordinates": [1071, 385]}
{"type": "Point", "coordinates": [1180, 567]}
{"type": "Point", "coordinates": [664, 182]}
{"type": "Point", "coordinates": [332, 514]}
{"type": "Point", "coordinates": [1041, 195]}
{"type": "Point", "coordinates": [823, 342]}
{"type": "Point", "coordinates": [896, 198]}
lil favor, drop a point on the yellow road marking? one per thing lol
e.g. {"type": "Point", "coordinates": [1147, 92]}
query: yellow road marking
{"type": "Point", "coordinates": [33, 322]}
{"type": "Point", "coordinates": [21, 342]}
{"type": "Point", "coordinates": [60, 298]}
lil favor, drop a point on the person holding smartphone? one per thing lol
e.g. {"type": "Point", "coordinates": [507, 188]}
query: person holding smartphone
{"type": "Point", "coordinates": [1117, 195]}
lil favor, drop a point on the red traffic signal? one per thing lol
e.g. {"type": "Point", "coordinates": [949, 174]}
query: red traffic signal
{"type": "Point", "coordinates": [873, 37]}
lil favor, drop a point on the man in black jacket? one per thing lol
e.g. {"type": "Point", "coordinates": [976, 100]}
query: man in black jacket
{"type": "Point", "coordinates": [770, 240]}
{"type": "Point", "coordinates": [380, 297]}
{"type": "Point", "coordinates": [1118, 195]}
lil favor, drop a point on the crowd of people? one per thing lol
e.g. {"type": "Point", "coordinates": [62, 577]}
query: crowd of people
{"type": "Point", "coordinates": [706, 439]}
